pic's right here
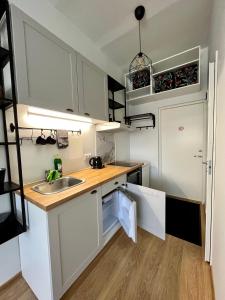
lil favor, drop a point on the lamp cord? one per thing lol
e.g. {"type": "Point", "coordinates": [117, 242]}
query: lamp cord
{"type": "Point", "coordinates": [140, 35]}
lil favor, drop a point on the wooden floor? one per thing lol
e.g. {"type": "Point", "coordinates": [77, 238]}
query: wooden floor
{"type": "Point", "coordinates": [152, 270]}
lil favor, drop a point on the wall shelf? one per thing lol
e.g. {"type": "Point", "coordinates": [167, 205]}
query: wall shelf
{"type": "Point", "coordinates": [173, 63]}
{"type": "Point", "coordinates": [147, 87]}
{"type": "Point", "coordinates": [9, 227]}
{"type": "Point", "coordinates": [9, 187]}
{"type": "Point", "coordinates": [177, 67]}
{"type": "Point", "coordinates": [113, 87]}
{"type": "Point", "coordinates": [7, 143]}
{"type": "Point", "coordinates": [166, 94]}
{"type": "Point", "coordinates": [4, 54]}
{"type": "Point", "coordinates": [115, 105]}
{"type": "Point", "coordinates": [5, 103]}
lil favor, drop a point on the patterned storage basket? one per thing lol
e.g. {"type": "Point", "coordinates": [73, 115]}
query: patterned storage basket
{"type": "Point", "coordinates": [186, 76]}
{"type": "Point", "coordinates": [164, 82]}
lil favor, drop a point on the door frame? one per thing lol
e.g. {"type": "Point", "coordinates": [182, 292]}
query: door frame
{"type": "Point", "coordinates": [160, 110]}
{"type": "Point", "coordinates": [210, 208]}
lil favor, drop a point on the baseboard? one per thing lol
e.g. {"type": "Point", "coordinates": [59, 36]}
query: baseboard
{"type": "Point", "coordinates": [203, 225]}
{"type": "Point", "coordinates": [212, 282]}
{"type": "Point", "coordinates": [10, 281]}
{"type": "Point", "coordinates": [184, 199]}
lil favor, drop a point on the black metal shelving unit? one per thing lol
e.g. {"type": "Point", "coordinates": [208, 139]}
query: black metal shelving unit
{"type": "Point", "coordinates": [12, 221]}
{"type": "Point", "coordinates": [114, 86]}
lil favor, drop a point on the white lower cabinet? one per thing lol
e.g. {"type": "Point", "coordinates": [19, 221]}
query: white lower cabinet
{"type": "Point", "coordinates": [60, 244]}
{"type": "Point", "coordinates": [74, 232]}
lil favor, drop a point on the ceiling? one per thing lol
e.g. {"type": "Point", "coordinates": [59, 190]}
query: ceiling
{"type": "Point", "coordinates": [169, 26]}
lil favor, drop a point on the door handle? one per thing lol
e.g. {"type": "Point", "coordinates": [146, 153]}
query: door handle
{"type": "Point", "coordinates": [94, 192]}
{"type": "Point", "coordinates": [69, 110]}
{"type": "Point", "coordinates": [87, 114]}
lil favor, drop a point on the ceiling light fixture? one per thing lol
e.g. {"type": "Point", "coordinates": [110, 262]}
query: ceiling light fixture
{"type": "Point", "coordinates": [141, 61]}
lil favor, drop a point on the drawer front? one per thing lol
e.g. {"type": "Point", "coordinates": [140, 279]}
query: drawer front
{"type": "Point", "coordinates": [113, 184]}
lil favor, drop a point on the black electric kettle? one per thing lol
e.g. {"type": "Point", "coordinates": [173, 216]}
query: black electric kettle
{"type": "Point", "coordinates": [96, 162]}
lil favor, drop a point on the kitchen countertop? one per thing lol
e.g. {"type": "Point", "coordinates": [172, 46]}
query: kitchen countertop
{"type": "Point", "coordinates": [93, 178]}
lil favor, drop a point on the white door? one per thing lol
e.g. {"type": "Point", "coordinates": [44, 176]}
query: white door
{"type": "Point", "coordinates": [151, 209]}
{"type": "Point", "coordinates": [210, 158]}
{"type": "Point", "coordinates": [182, 151]}
{"type": "Point", "coordinates": [126, 213]}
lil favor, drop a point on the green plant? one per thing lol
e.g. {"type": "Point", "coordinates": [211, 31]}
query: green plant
{"type": "Point", "coordinates": [52, 175]}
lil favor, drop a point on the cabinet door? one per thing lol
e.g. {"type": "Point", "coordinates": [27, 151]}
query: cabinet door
{"type": "Point", "coordinates": [126, 213]}
{"type": "Point", "coordinates": [75, 234]}
{"type": "Point", "coordinates": [151, 209]}
{"type": "Point", "coordinates": [45, 66]}
{"type": "Point", "coordinates": [92, 90]}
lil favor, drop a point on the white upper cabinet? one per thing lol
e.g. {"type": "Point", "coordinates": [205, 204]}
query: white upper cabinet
{"type": "Point", "coordinates": [51, 75]}
{"type": "Point", "coordinates": [45, 66]}
{"type": "Point", "coordinates": [92, 90]}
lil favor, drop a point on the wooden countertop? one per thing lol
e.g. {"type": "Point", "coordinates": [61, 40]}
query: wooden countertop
{"type": "Point", "coordinates": [93, 178]}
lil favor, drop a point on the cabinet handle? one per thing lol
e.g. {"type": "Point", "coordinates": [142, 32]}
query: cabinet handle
{"type": "Point", "coordinates": [116, 182]}
{"type": "Point", "coordinates": [69, 109]}
{"type": "Point", "coordinates": [94, 192]}
{"type": "Point", "coordinates": [87, 114]}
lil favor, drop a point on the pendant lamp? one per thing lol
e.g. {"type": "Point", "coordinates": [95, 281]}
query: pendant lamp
{"type": "Point", "coordinates": [141, 61]}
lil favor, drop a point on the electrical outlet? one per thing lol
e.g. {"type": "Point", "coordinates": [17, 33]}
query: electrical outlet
{"type": "Point", "coordinates": [87, 155]}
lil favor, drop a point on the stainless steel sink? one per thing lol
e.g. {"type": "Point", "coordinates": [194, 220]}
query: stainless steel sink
{"type": "Point", "coordinates": [59, 185]}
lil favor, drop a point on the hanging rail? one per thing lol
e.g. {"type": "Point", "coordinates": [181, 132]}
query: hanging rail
{"type": "Point", "coordinates": [144, 127]}
{"type": "Point", "coordinates": [12, 128]}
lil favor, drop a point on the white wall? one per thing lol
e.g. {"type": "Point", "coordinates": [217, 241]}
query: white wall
{"type": "Point", "coordinates": [9, 260]}
{"type": "Point", "coordinates": [217, 42]}
{"type": "Point", "coordinates": [48, 16]}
